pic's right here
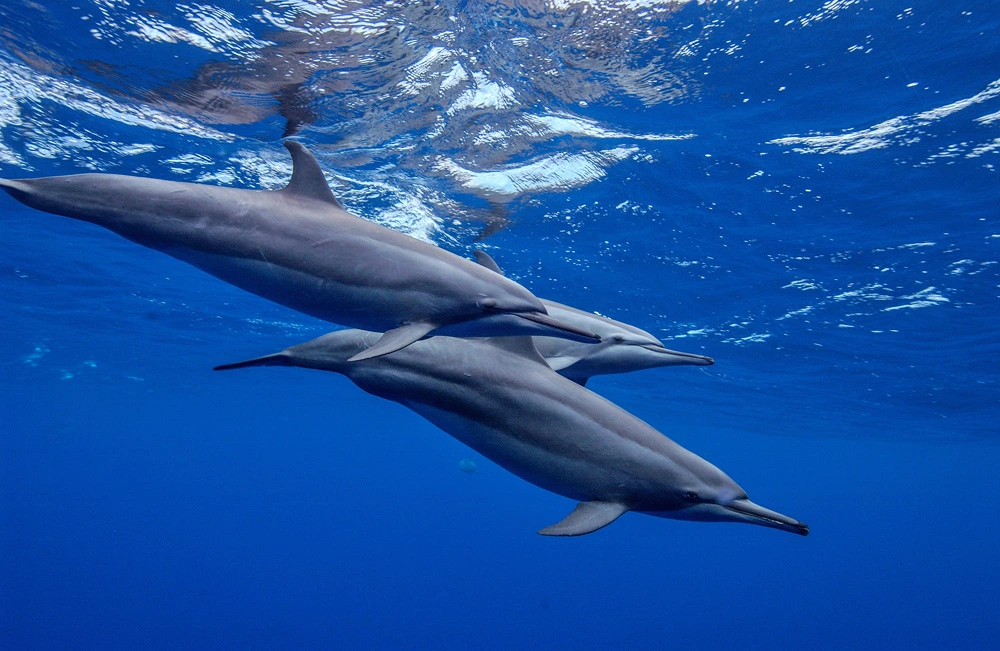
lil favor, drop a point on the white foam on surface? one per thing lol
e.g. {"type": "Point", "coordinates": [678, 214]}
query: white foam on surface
{"type": "Point", "coordinates": [900, 130]}
{"type": "Point", "coordinates": [558, 172]}
{"type": "Point", "coordinates": [485, 95]}
{"type": "Point", "coordinates": [928, 297]}
{"type": "Point", "coordinates": [563, 124]}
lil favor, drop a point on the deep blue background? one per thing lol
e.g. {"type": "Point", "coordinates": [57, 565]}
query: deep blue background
{"type": "Point", "coordinates": [146, 502]}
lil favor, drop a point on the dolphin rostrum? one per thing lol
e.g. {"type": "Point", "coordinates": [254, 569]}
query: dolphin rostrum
{"type": "Point", "coordinates": [500, 398]}
{"type": "Point", "coordinates": [298, 247]}
{"type": "Point", "coordinates": [623, 348]}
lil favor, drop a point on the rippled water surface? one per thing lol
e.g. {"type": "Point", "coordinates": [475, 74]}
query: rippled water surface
{"type": "Point", "coordinates": [806, 191]}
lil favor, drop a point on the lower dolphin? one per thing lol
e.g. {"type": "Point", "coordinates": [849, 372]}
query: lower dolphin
{"type": "Point", "coordinates": [499, 397]}
{"type": "Point", "coordinates": [624, 348]}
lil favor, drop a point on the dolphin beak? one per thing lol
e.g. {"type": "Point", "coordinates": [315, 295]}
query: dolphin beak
{"type": "Point", "coordinates": [543, 319]}
{"type": "Point", "coordinates": [756, 514]}
{"type": "Point", "coordinates": [694, 360]}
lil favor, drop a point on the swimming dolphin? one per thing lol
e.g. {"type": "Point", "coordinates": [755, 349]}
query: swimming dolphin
{"type": "Point", "coordinates": [623, 348]}
{"type": "Point", "coordinates": [499, 397]}
{"type": "Point", "coordinates": [298, 247]}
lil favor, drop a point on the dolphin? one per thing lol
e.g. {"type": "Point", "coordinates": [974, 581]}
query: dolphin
{"type": "Point", "coordinates": [623, 348]}
{"type": "Point", "coordinates": [298, 247]}
{"type": "Point", "coordinates": [499, 397]}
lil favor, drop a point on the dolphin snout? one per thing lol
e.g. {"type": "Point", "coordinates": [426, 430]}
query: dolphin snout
{"type": "Point", "coordinates": [757, 514]}
{"type": "Point", "coordinates": [692, 358]}
{"type": "Point", "coordinates": [543, 319]}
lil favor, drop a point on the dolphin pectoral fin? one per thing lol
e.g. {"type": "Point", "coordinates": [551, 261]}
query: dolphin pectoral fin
{"type": "Point", "coordinates": [484, 260]}
{"type": "Point", "coordinates": [277, 359]}
{"type": "Point", "coordinates": [395, 339]}
{"type": "Point", "coordinates": [587, 517]}
{"type": "Point", "coordinates": [307, 176]}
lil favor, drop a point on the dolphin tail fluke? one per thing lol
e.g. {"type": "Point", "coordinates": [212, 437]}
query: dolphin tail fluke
{"type": "Point", "coordinates": [277, 359]}
{"type": "Point", "coordinates": [587, 517]}
{"type": "Point", "coordinates": [395, 339]}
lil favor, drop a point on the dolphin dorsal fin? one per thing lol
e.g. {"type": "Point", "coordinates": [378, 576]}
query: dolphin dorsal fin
{"type": "Point", "coordinates": [484, 260]}
{"type": "Point", "coordinates": [522, 346]}
{"type": "Point", "coordinates": [307, 177]}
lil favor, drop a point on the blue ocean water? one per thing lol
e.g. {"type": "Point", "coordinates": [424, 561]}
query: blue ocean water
{"type": "Point", "coordinates": [805, 191]}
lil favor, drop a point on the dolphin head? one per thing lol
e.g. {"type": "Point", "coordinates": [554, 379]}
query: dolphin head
{"type": "Point", "coordinates": [624, 350]}
{"type": "Point", "coordinates": [503, 308]}
{"type": "Point", "coordinates": [726, 507]}
{"type": "Point", "coordinates": [706, 494]}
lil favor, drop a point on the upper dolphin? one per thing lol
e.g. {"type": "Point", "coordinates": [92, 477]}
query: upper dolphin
{"type": "Point", "coordinates": [500, 398]}
{"type": "Point", "coordinates": [624, 348]}
{"type": "Point", "coordinates": [298, 246]}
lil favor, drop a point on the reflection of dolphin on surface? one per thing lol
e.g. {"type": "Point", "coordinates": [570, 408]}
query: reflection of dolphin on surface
{"type": "Point", "coordinates": [299, 247]}
{"type": "Point", "coordinates": [500, 398]}
{"type": "Point", "coordinates": [623, 348]}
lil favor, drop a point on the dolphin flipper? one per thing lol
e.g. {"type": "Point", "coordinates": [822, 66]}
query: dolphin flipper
{"type": "Point", "coordinates": [395, 339]}
{"type": "Point", "coordinates": [586, 518]}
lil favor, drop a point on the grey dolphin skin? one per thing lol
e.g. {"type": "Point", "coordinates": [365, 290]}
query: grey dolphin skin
{"type": "Point", "coordinates": [623, 348]}
{"type": "Point", "coordinates": [298, 247]}
{"type": "Point", "coordinates": [499, 397]}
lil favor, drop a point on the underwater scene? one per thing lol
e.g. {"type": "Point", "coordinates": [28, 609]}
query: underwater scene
{"type": "Point", "coordinates": [690, 315]}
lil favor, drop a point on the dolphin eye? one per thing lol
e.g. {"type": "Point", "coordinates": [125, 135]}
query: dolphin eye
{"type": "Point", "coordinates": [691, 496]}
{"type": "Point", "coordinates": [618, 339]}
{"type": "Point", "coordinates": [488, 303]}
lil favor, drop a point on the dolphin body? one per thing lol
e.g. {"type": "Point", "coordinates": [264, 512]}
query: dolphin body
{"type": "Point", "coordinates": [298, 247]}
{"type": "Point", "coordinates": [623, 348]}
{"type": "Point", "coordinates": [499, 397]}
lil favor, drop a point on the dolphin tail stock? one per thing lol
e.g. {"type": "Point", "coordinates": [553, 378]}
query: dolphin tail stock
{"type": "Point", "coordinates": [276, 359]}
{"type": "Point", "coordinates": [586, 518]}
{"type": "Point", "coordinates": [395, 339]}
{"type": "Point", "coordinates": [14, 188]}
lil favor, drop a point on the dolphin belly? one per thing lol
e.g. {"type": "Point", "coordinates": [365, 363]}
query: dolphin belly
{"type": "Point", "coordinates": [323, 298]}
{"type": "Point", "coordinates": [575, 478]}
